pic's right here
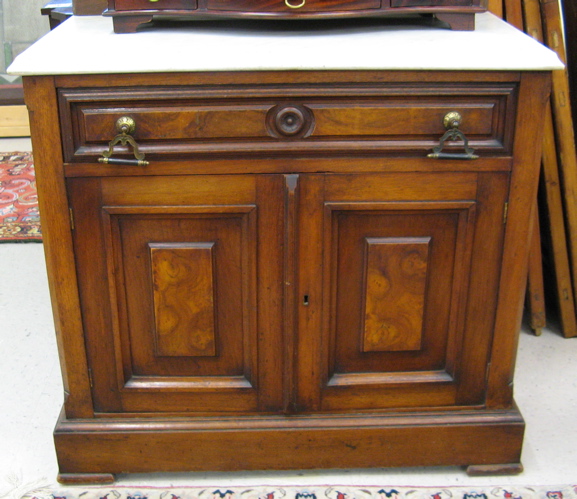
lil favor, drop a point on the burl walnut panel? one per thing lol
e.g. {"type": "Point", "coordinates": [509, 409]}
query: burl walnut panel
{"type": "Point", "coordinates": [395, 286]}
{"type": "Point", "coordinates": [184, 308]}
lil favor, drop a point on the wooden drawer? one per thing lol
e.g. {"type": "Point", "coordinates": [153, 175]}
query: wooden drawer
{"type": "Point", "coordinates": [126, 5]}
{"type": "Point", "coordinates": [289, 5]}
{"type": "Point", "coordinates": [376, 120]}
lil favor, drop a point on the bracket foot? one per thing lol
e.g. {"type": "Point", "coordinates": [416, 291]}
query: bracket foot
{"type": "Point", "coordinates": [494, 469]}
{"type": "Point", "coordinates": [85, 478]}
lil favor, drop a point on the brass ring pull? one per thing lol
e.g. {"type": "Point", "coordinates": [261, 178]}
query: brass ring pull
{"type": "Point", "coordinates": [291, 6]}
{"type": "Point", "coordinates": [125, 126]}
{"type": "Point", "coordinates": [452, 122]}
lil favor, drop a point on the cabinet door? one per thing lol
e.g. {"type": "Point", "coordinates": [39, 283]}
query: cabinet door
{"type": "Point", "coordinates": [172, 291]}
{"type": "Point", "coordinates": [397, 289]}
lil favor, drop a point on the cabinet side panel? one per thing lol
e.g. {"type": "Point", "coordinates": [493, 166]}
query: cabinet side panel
{"type": "Point", "coordinates": [472, 351]}
{"type": "Point", "coordinates": [533, 95]}
{"type": "Point", "coordinates": [40, 96]}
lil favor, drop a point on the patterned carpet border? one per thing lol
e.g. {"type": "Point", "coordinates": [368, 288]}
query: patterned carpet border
{"type": "Point", "coordinates": [19, 217]}
{"type": "Point", "coordinates": [311, 492]}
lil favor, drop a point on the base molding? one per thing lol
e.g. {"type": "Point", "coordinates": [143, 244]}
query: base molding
{"type": "Point", "coordinates": [104, 447]}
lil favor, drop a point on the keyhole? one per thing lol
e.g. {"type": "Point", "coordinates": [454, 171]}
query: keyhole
{"type": "Point", "coordinates": [306, 300]}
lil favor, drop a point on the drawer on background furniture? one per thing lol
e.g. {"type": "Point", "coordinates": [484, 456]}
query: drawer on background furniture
{"type": "Point", "coordinates": [435, 3]}
{"type": "Point", "coordinates": [192, 122]}
{"type": "Point", "coordinates": [288, 5]}
{"type": "Point", "coordinates": [126, 5]}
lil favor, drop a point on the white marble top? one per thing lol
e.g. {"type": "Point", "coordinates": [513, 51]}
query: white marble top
{"type": "Point", "coordinates": [88, 45]}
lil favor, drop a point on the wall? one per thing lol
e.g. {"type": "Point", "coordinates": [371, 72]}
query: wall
{"type": "Point", "coordinates": [21, 24]}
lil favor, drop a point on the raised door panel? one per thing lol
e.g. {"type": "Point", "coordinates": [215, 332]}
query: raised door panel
{"type": "Point", "coordinates": [401, 265]}
{"type": "Point", "coordinates": [170, 288]}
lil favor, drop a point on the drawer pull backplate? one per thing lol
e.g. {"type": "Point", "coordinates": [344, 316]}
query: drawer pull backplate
{"type": "Point", "coordinates": [125, 126]}
{"type": "Point", "coordinates": [452, 122]}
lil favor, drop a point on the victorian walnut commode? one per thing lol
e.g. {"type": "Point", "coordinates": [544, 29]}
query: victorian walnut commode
{"type": "Point", "coordinates": [278, 250]}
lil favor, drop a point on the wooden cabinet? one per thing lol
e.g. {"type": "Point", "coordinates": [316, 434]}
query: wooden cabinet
{"type": "Point", "coordinates": [295, 279]}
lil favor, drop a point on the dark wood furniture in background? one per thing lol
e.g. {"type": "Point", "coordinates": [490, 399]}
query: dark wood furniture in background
{"type": "Point", "coordinates": [291, 282]}
{"type": "Point", "coordinates": [129, 14]}
{"type": "Point", "coordinates": [57, 11]}
{"type": "Point", "coordinates": [89, 7]}
{"type": "Point", "coordinates": [11, 95]}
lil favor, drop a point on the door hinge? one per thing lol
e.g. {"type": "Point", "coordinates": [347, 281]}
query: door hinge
{"type": "Point", "coordinates": [487, 373]}
{"type": "Point", "coordinates": [505, 212]}
{"type": "Point", "coordinates": [71, 218]}
{"type": "Point", "coordinates": [90, 379]}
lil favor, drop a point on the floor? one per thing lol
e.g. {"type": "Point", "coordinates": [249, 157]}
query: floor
{"type": "Point", "coordinates": [31, 397]}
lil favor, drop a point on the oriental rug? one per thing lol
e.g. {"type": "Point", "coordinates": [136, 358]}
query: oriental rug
{"type": "Point", "coordinates": [310, 492]}
{"type": "Point", "coordinates": [19, 217]}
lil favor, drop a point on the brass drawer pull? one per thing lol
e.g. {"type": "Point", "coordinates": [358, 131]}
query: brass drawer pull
{"type": "Point", "coordinates": [452, 122]}
{"type": "Point", "coordinates": [125, 126]}
{"type": "Point", "coordinates": [291, 6]}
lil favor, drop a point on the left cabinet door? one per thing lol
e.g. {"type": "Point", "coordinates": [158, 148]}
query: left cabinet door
{"type": "Point", "coordinates": [180, 316]}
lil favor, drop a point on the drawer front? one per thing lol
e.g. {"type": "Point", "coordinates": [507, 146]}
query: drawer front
{"type": "Point", "coordinates": [292, 6]}
{"type": "Point", "coordinates": [122, 5]}
{"type": "Point", "coordinates": [369, 121]}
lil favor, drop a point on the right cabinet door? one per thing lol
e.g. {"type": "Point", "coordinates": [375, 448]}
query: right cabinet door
{"type": "Point", "coordinates": [397, 285]}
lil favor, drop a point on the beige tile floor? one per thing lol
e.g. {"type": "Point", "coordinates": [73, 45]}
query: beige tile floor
{"type": "Point", "coordinates": [31, 396]}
